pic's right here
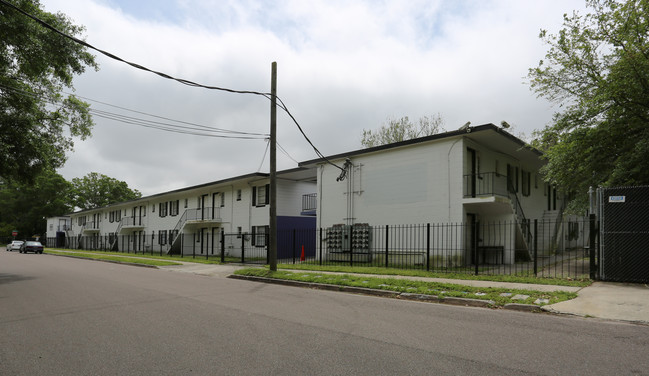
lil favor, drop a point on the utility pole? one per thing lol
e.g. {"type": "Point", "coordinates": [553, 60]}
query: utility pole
{"type": "Point", "coordinates": [272, 238]}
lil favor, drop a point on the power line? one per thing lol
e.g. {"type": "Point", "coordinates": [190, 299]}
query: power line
{"type": "Point", "coordinates": [192, 129]}
{"type": "Point", "coordinates": [180, 80]}
{"type": "Point", "coordinates": [285, 152]}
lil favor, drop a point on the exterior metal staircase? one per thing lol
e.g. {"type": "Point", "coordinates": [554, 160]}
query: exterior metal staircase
{"type": "Point", "coordinates": [524, 238]}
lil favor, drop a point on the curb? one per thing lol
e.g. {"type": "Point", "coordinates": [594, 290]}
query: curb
{"type": "Point", "coordinates": [523, 307]}
{"type": "Point", "coordinates": [362, 290]}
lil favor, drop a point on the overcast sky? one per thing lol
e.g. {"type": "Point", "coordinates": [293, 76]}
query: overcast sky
{"type": "Point", "coordinates": [343, 66]}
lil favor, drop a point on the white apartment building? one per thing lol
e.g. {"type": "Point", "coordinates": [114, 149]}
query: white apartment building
{"type": "Point", "coordinates": [475, 175]}
{"type": "Point", "coordinates": [201, 213]}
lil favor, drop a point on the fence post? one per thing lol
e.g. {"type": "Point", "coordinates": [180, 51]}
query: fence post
{"type": "Point", "coordinates": [536, 228]}
{"type": "Point", "coordinates": [293, 246]}
{"type": "Point", "coordinates": [182, 244]}
{"type": "Point", "coordinates": [475, 246]}
{"type": "Point", "coordinates": [387, 239]}
{"type": "Point", "coordinates": [320, 245]}
{"type": "Point", "coordinates": [267, 246]}
{"type": "Point", "coordinates": [351, 247]}
{"type": "Point", "coordinates": [591, 235]}
{"type": "Point", "coordinates": [223, 246]}
{"type": "Point", "coordinates": [243, 246]}
{"type": "Point", "coordinates": [428, 247]}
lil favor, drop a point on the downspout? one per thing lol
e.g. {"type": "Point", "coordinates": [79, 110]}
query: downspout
{"type": "Point", "coordinates": [319, 208]}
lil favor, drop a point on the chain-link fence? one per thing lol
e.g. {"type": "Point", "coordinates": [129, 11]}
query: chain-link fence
{"type": "Point", "coordinates": [624, 234]}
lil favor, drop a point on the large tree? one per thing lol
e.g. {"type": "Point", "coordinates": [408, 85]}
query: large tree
{"type": "Point", "coordinates": [395, 130]}
{"type": "Point", "coordinates": [26, 206]}
{"type": "Point", "coordinates": [597, 70]}
{"type": "Point", "coordinates": [96, 190]}
{"type": "Point", "coordinates": [37, 119]}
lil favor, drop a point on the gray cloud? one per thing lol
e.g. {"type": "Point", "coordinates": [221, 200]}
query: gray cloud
{"type": "Point", "coordinates": [342, 67]}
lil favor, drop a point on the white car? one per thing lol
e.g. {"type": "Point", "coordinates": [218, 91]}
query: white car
{"type": "Point", "coordinates": [14, 245]}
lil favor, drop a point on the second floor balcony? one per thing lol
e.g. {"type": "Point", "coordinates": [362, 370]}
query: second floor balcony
{"type": "Point", "coordinates": [90, 227]}
{"type": "Point", "coordinates": [485, 184]}
{"type": "Point", "coordinates": [133, 222]}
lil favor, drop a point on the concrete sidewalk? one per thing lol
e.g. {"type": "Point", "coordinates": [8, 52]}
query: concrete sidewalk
{"type": "Point", "coordinates": [608, 300]}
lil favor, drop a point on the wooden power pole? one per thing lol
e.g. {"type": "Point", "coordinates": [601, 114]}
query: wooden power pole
{"type": "Point", "coordinates": [272, 238]}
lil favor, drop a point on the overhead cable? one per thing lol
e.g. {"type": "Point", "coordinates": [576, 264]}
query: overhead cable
{"type": "Point", "coordinates": [167, 76]}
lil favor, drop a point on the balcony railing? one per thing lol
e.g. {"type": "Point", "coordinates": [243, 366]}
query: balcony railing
{"type": "Point", "coordinates": [485, 184]}
{"type": "Point", "coordinates": [309, 202]}
{"type": "Point", "coordinates": [132, 222]}
{"type": "Point", "coordinates": [204, 214]}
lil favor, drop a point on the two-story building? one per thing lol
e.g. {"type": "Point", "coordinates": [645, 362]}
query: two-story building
{"type": "Point", "coordinates": [201, 213]}
{"type": "Point", "coordinates": [480, 176]}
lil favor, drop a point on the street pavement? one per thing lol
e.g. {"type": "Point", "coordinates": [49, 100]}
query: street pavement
{"type": "Point", "coordinates": [64, 316]}
{"type": "Point", "coordinates": [604, 300]}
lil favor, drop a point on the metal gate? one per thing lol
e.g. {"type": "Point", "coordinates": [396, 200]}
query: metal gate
{"type": "Point", "coordinates": [624, 234]}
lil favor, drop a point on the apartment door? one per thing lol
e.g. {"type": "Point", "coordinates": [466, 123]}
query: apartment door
{"type": "Point", "coordinates": [472, 172]}
{"type": "Point", "coordinates": [203, 203]}
{"type": "Point", "coordinates": [215, 197]}
{"type": "Point", "coordinates": [471, 237]}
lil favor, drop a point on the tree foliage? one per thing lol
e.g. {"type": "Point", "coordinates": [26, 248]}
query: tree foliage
{"type": "Point", "coordinates": [26, 206]}
{"type": "Point", "coordinates": [395, 130]}
{"type": "Point", "coordinates": [37, 119]}
{"type": "Point", "coordinates": [96, 190]}
{"type": "Point", "coordinates": [597, 70]}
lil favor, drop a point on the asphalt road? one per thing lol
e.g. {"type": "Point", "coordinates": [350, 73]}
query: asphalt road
{"type": "Point", "coordinates": [63, 316]}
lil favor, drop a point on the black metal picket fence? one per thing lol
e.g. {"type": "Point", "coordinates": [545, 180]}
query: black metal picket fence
{"type": "Point", "coordinates": [561, 249]}
{"type": "Point", "coordinates": [558, 249]}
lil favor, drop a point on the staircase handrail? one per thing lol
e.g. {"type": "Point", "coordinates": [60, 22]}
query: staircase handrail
{"type": "Point", "coordinates": [518, 210]}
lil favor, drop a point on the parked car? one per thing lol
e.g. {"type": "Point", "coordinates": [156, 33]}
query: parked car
{"type": "Point", "coordinates": [15, 245]}
{"type": "Point", "coordinates": [30, 246]}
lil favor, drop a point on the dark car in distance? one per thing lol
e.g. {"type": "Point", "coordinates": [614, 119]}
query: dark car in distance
{"type": "Point", "coordinates": [30, 246]}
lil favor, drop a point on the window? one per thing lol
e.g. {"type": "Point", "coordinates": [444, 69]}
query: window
{"type": "Point", "coordinates": [174, 207]}
{"type": "Point", "coordinates": [163, 209]}
{"type": "Point", "coordinates": [162, 237]}
{"type": "Point", "coordinates": [185, 203]}
{"type": "Point", "coordinates": [238, 194]}
{"type": "Point", "coordinates": [198, 205]}
{"type": "Point", "coordinates": [260, 195]}
{"type": "Point", "coordinates": [536, 181]}
{"type": "Point", "coordinates": [259, 235]}
{"type": "Point", "coordinates": [153, 208]}
{"type": "Point", "coordinates": [52, 227]}
{"type": "Point", "coordinates": [222, 199]}
{"type": "Point", "coordinates": [239, 232]}
{"type": "Point", "coordinates": [497, 168]}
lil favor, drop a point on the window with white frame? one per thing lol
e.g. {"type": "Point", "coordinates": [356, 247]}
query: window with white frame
{"type": "Point", "coordinates": [162, 212]}
{"type": "Point", "coordinates": [162, 237]}
{"type": "Point", "coordinates": [174, 207]}
{"type": "Point", "coordinates": [238, 194]}
{"type": "Point", "coordinates": [259, 234]}
{"type": "Point", "coordinates": [222, 199]}
{"type": "Point", "coordinates": [260, 195]}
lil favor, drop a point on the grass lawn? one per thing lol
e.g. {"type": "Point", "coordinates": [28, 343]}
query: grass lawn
{"type": "Point", "coordinates": [516, 278]}
{"type": "Point", "coordinates": [111, 257]}
{"type": "Point", "coordinates": [130, 256]}
{"type": "Point", "coordinates": [500, 296]}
